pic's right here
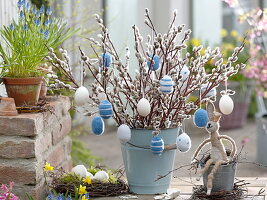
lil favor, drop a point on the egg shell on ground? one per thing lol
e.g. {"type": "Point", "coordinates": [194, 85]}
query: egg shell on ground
{"type": "Point", "coordinates": [105, 109]}
{"type": "Point", "coordinates": [156, 64]}
{"type": "Point", "coordinates": [201, 118]}
{"type": "Point", "coordinates": [157, 145]}
{"type": "Point", "coordinates": [98, 126]}
{"type": "Point", "coordinates": [166, 84]}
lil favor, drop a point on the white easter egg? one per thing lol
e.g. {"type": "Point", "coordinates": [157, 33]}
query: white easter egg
{"type": "Point", "coordinates": [226, 104]}
{"type": "Point", "coordinates": [91, 176]}
{"type": "Point", "coordinates": [124, 133]}
{"type": "Point", "coordinates": [102, 96]}
{"type": "Point", "coordinates": [143, 107]}
{"type": "Point", "coordinates": [81, 96]}
{"type": "Point", "coordinates": [101, 176]}
{"type": "Point", "coordinates": [80, 170]}
{"type": "Point", "coordinates": [183, 142]}
{"type": "Point", "coordinates": [184, 73]}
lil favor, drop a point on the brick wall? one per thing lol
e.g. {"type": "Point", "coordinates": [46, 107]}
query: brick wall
{"type": "Point", "coordinates": [28, 140]}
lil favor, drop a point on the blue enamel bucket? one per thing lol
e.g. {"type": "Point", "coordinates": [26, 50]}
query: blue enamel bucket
{"type": "Point", "coordinates": [143, 167]}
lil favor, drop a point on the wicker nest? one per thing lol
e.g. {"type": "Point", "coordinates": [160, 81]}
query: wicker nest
{"type": "Point", "coordinates": [199, 193]}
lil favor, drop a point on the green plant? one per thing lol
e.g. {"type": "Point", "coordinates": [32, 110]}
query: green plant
{"type": "Point", "coordinates": [25, 43]}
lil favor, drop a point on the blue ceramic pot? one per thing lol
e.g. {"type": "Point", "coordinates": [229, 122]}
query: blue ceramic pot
{"type": "Point", "coordinates": [143, 167]}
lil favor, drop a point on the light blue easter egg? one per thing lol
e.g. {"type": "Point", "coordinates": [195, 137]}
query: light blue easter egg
{"type": "Point", "coordinates": [106, 59]}
{"type": "Point", "coordinates": [156, 64]}
{"type": "Point", "coordinates": [211, 93]}
{"type": "Point", "coordinates": [183, 142]}
{"type": "Point", "coordinates": [98, 127]}
{"type": "Point", "coordinates": [157, 145]}
{"type": "Point", "coordinates": [201, 118]}
{"type": "Point", "coordinates": [184, 73]}
{"type": "Point", "coordinates": [166, 84]}
{"type": "Point", "coordinates": [105, 109]}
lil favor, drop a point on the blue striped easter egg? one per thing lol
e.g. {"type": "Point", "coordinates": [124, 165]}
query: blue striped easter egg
{"type": "Point", "coordinates": [166, 84]}
{"type": "Point", "coordinates": [105, 109]}
{"type": "Point", "coordinates": [157, 145]}
{"type": "Point", "coordinates": [98, 127]}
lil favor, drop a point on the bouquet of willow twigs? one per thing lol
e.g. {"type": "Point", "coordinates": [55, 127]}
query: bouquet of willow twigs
{"type": "Point", "coordinates": [155, 97]}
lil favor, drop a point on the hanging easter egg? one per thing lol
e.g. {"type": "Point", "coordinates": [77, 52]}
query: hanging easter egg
{"type": "Point", "coordinates": [81, 96]}
{"type": "Point", "coordinates": [201, 118]}
{"type": "Point", "coordinates": [156, 64]}
{"type": "Point", "coordinates": [157, 145]}
{"type": "Point", "coordinates": [98, 126]}
{"type": "Point", "coordinates": [124, 133]}
{"type": "Point", "coordinates": [183, 142]}
{"type": "Point", "coordinates": [105, 109]}
{"type": "Point", "coordinates": [101, 176]}
{"type": "Point", "coordinates": [184, 73]}
{"type": "Point", "coordinates": [143, 107]}
{"type": "Point", "coordinates": [102, 96]}
{"type": "Point", "coordinates": [226, 104]}
{"type": "Point", "coordinates": [80, 170]}
{"type": "Point", "coordinates": [211, 93]}
{"type": "Point", "coordinates": [166, 84]}
{"type": "Point", "coordinates": [106, 59]}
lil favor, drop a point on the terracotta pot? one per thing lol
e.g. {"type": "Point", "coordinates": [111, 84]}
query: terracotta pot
{"type": "Point", "coordinates": [43, 91]}
{"type": "Point", "coordinates": [25, 91]}
{"type": "Point", "coordinates": [7, 107]}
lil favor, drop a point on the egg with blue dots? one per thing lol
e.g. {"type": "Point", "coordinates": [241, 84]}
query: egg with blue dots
{"type": "Point", "coordinates": [226, 104]}
{"type": "Point", "coordinates": [156, 63]}
{"type": "Point", "coordinates": [211, 93]}
{"type": "Point", "coordinates": [184, 73]}
{"type": "Point", "coordinates": [143, 107]}
{"type": "Point", "coordinates": [106, 59]}
{"type": "Point", "coordinates": [81, 96]}
{"type": "Point", "coordinates": [124, 133]}
{"type": "Point", "coordinates": [166, 84]}
{"type": "Point", "coordinates": [157, 145]}
{"type": "Point", "coordinates": [105, 109]}
{"type": "Point", "coordinates": [201, 118]}
{"type": "Point", "coordinates": [98, 126]}
{"type": "Point", "coordinates": [183, 142]}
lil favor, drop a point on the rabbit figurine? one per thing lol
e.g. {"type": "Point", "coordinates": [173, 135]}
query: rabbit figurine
{"type": "Point", "coordinates": [218, 153]}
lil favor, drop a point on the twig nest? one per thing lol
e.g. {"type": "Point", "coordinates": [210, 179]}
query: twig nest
{"type": "Point", "coordinates": [143, 107]}
{"type": "Point", "coordinates": [80, 170]}
{"type": "Point", "coordinates": [102, 96]}
{"type": "Point", "coordinates": [98, 126]}
{"type": "Point", "coordinates": [211, 93]}
{"type": "Point", "coordinates": [226, 104]}
{"type": "Point", "coordinates": [106, 59]}
{"type": "Point", "coordinates": [157, 145]}
{"type": "Point", "coordinates": [156, 64]}
{"type": "Point", "coordinates": [124, 133]}
{"type": "Point", "coordinates": [201, 118]}
{"type": "Point", "coordinates": [166, 84]}
{"type": "Point", "coordinates": [183, 142]}
{"type": "Point", "coordinates": [105, 109]}
{"type": "Point", "coordinates": [81, 96]}
{"type": "Point", "coordinates": [184, 73]}
{"type": "Point", "coordinates": [101, 176]}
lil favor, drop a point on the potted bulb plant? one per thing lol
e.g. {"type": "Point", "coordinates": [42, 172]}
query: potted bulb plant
{"type": "Point", "coordinates": [150, 106]}
{"type": "Point", "coordinates": [23, 46]}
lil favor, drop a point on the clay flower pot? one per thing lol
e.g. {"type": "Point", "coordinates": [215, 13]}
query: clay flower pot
{"type": "Point", "coordinates": [25, 91]}
{"type": "Point", "coordinates": [7, 107]}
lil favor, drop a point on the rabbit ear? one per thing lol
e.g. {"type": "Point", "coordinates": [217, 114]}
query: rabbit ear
{"type": "Point", "coordinates": [210, 110]}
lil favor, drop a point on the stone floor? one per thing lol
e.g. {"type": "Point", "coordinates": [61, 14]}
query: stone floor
{"type": "Point", "coordinates": [107, 147]}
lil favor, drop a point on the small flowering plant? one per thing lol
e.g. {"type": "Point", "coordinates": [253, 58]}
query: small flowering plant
{"type": "Point", "coordinates": [24, 43]}
{"type": "Point", "coordinates": [6, 192]}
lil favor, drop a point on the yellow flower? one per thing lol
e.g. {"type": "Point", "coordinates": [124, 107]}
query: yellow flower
{"type": "Point", "coordinates": [48, 167]}
{"type": "Point", "coordinates": [87, 180]}
{"type": "Point", "coordinates": [202, 51]}
{"type": "Point", "coordinates": [84, 198]}
{"type": "Point", "coordinates": [195, 42]}
{"type": "Point", "coordinates": [224, 33]}
{"type": "Point", "coordinates": [82, 190]}
{"type": "Point", "coordinates": [234, 33]}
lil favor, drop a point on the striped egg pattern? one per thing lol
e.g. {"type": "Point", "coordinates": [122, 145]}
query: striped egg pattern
{"type": "Point", "coordinates": [166, 84]}
{"type": "Point", "coordinates": [105, 109]}
{"type": "Point", "coordinates": [157, 145]}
